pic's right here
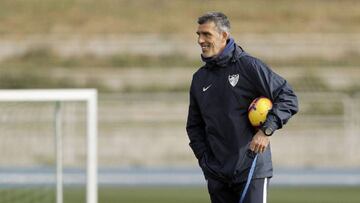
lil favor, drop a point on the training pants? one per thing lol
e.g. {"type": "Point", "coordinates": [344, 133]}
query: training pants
{"type": "Point", "coordinates": [221, 192]}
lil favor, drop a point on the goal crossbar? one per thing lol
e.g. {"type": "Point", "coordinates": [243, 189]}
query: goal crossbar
{"type": "Point", "coordinates": [48, 95]}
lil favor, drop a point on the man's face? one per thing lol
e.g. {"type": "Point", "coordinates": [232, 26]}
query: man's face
{"type": "Point", "coordinates": [210, 40]}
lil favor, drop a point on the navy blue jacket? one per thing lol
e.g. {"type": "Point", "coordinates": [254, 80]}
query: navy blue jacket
{"type": "Point", "coordinates": [218, 127]}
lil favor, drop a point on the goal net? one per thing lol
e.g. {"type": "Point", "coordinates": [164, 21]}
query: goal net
{"type": "Point", "coordinates": [48, 146]}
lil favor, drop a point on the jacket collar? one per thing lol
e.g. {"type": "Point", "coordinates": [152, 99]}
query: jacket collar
{"type": "Point", "coordinates": [230, 53]}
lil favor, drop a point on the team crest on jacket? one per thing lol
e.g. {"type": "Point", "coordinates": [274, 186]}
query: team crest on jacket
{"type": "Point", "coordinates": [233, 79]}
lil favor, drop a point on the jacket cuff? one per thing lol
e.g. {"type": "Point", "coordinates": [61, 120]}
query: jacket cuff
{"type": "Point", "coordinates": [271, 122]}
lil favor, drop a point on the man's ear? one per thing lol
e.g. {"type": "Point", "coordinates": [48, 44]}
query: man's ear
{"type": "Point", "coordinates": [225, 35]}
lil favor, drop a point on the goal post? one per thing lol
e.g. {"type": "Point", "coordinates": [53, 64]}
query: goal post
{"type": "Point", "coordinates": [89, 96]}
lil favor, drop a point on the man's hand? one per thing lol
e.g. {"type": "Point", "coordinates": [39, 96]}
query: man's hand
{"type": "Point", "coordinates": [259, 142]}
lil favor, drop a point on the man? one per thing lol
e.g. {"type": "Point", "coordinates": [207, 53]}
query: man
{"type": "Point", "coordinates": [218, 128]}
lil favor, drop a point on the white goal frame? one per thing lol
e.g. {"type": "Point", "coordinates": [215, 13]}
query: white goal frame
{"type": "Point", "coordinates": [58, 95]}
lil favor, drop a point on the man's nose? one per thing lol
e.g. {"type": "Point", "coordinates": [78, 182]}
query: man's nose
{"type": "Point", "coordinates": [200, 40]}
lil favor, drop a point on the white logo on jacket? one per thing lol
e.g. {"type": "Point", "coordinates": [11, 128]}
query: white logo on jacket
{"type": "Point", "coordinates": [206, 88]}
{"type": "Point", "coordinates": [233, 79]}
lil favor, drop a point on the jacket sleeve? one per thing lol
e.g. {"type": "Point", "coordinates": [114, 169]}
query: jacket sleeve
{"type": "Point", "coordinates": [273, 86]}
{"type": "Point", "coordinates": [195, 126]}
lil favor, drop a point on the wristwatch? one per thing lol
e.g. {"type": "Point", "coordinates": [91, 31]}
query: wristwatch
{"type": "Point", "coordinates": [268, 131]}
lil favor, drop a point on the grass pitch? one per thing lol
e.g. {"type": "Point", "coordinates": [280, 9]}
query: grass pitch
{"type": "Point", "coordinates": [175, 194]}
{"type": "Point", "coordinates": [200, 195]}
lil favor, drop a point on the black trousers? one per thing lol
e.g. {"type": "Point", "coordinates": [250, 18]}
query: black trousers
{"type": "Point", "coordinates": [221, 192]}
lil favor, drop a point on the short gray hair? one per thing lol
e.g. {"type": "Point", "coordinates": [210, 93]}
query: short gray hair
{"type": "Point", "coordinates": [221, 21]}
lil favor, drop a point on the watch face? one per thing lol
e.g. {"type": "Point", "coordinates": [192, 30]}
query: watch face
{"type": "Point", "coordinates": [268, 131]}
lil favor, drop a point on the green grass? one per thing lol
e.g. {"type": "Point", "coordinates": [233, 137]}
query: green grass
{"type": "Point", "coordinates": [154, 195]}
{"type": "Point", "coordinates": [199, 195]}
{"type": "Point", "coordinates": [314, 195]}
{"type": "Point", "coordinates": [186, 195]}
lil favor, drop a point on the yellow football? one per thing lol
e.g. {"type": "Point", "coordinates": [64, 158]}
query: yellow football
{"type": "Point", "coordinates": [258, 111]}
